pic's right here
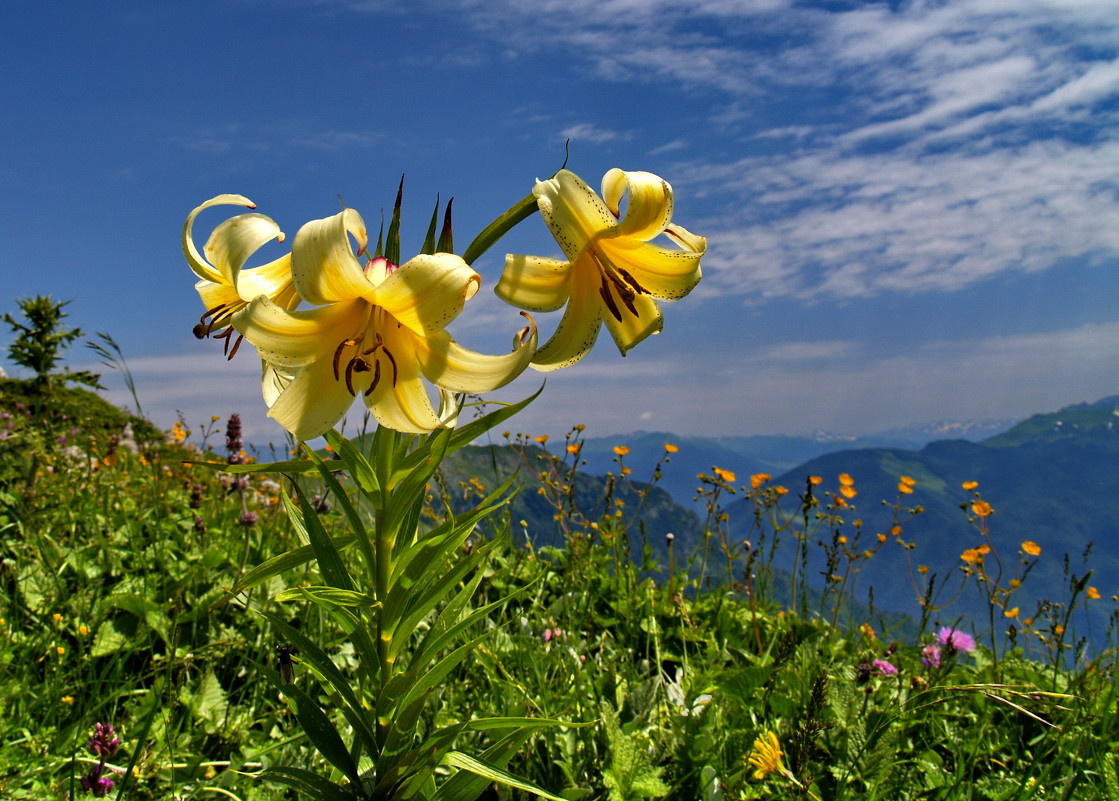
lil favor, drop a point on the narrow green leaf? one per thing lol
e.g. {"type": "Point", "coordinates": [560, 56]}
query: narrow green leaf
{"type": "Point", "coordinates": [286, 561]}
{"type": "Point", "coordinates": [297, 466]}
{"type": "Point", "coordinates": [429, 240]}
{"type": "Point", "coordinates": [330, 562]}
{"type": "Point", "coordinates": [457, 759]}
{"type": "Point", "coordinates": [328, 596]}
{"type": "Point", "coordinates": [320, 731]}
{"type": "Point", "coordinates": [311, 784]}
{"type": "Point", "coordinates": [314, 656]}
{"type": "Point", "coordinates": [446, 243]}
{"type": "Point", "coordinates": [466, 434]}
{"type": "Point", "coordinates": [354, 461]}
{"type": "Point", "coordinates": [392, 238]}
{"type": "Point", "coordinates": [517, 213]}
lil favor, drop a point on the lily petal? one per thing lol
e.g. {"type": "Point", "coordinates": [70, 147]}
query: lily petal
{"type": "Point", "coordinates": [323, 265]}
{"type": "Point", "coordinates": [664, 273]}
{"type": "Point", "coordinates": [450, 366]}
{"type": "Point", "coordinates": [574, 213]}
{"type": "Point", "coordinates": [629, 329]}
{"type": "Point", "coordinates": [235, 240]}
{"type": "Point", "coordinates": [197, 263]}
{"type": "Point", "coordinates": [427, 292]}
{"type": "Point", "coordinates": [534, 283]}
{"type": "Point", "coordinates": [577, 330]}
{"type": "Point", "coordinates": [648, 208]}
{"type": "Point", "coordinates": [297, 339]}
{"type": "Point", "coordinates": [312, 402]}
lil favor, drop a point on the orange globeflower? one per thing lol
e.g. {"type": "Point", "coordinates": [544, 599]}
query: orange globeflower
{"type": "Point", "coordinates": [1032, 548]}
{"type": "Point", "coordinates": [621, 450]}
{"type": "Point", "coordinates": [970, 485]}
{"type": "Point", "coordinates": [670, 448]}
{"type": "Point", "coordinates": [725, 475]}
{"type": "Point", "coordinates": [574, 448]}
{"type": "Point", "coordinates": [846, 480]}
{"type": "Point", "coordinates": [758, 479]}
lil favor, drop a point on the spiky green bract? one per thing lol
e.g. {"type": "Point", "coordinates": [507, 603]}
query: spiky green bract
{"type": "Point", "coordinates": [403, 595]}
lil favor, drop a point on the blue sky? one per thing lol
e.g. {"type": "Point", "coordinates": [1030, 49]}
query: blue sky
{"type": "Point", "coordinates": [912, 208]}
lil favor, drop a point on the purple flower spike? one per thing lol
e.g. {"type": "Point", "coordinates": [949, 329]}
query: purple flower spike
{"type": "Point", "coordinates": [104, 742]}
{"type": "Point", "coordinates": [95, 783]}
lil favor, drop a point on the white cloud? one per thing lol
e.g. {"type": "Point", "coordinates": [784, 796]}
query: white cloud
{"type": "Point", "coordinates": [589, 132]}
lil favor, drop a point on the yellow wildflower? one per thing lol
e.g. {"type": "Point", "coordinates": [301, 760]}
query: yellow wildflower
{"type": "Point", "coordinates": [847, 491]}
{"type": "Point", "coordinates": [907, 481]}
{"type": "Point", "coordinates": [67, 699]}
{"type": "Point", "coordinates": [766, 756]}
{"type": "Point", "coordinates": [1032, 548]}
{"type": "Point", "coordinates": [970, 485]}
{"type": "Point", "coordinates": [981, 508]}
{"type": "Point", "coordinates": [621, 450]}
{"type": "Point", "coordinates": [846, 480]}
{"type": "Point", "coordinates": [725, 475]}
{"type": "Point", "coordinates": [574, 448]}
{"type": "Point", "coordinates": [541, 439]}
{"type": "Point", "coordinates": [895, 531]}
{"type": "Point", "coordinates": [881, 537]}
{"type": "Point", "coordinates": [815, 480]}
{"type": "Point", "coordinates": [1093, 593]}
{"type": "Point", "coordinates": [868, 631]}
{"type": "Point", "coordinates": [922, 569]}
{"type": "Point", "coordinates": [758, 479]}
{"type": "Point", "coordinates": [83, 630]}
{"type": "Point", "coordinates": [780, 490]}
{"type": "Point", "coordinates": [971, 555]}
{"type": "Point", "coordinates": [670, 448]}
{"type": "Point", "coordinates": [1011, 612]}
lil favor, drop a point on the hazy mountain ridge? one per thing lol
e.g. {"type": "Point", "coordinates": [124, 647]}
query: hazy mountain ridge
{"type": "Point", "coordinates": [1051, 479]}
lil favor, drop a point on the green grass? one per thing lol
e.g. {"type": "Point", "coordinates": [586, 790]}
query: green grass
{"type": "Point", "coordinates": [113, 593]}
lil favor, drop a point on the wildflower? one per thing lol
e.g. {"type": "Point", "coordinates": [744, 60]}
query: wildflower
{"type": "Point", "coordinates": [248, 519]}
{"type": "Point", "coordinates": [83, 630]}
{"type": "Point", "coordinates": [379, 333]}
{"type": "Point", "coordinates": [815, 481]}
{"type": "Point", "coordinates": [1012, 612]}
{"type": "Point", "coordinates": [574, 448]}
{"type": "Point", "coordinates": [895, 531]}
{"type": "Point", "coordinates": [971, 555]}
{"type": "Point", "coordinates": [845, 480]}
{"type": "Point", "coordinates": [930, 656]}
{"type": "Point", "coordinates": [1093, 593]}
{"type": "Point", "coordinates": [104, 742]}
{"type": "Point", "coordinates": [847, 491]}
{"type": "Point", "coordinates": [955, 640]}
{"type": "Point", "coordinates": [60, 651]}
{"type": "Point", "coordinates": [922, 569]}
{"type": "Point", "coordinates": [93, 782]}
{"type": "Point", "coordinates": [1031, 548]}
{"type": "Point", "coordinates": [766, 756]}
{"type": "Point", "coordinates": [178, 431]}
{"type": "Point", "coordinates": [758, 479]}
{"type": "Point", "coordinates": [613, 273]}
{"type": "Point", "coordinates": [541, 439]}
{"type": "Point", "coordinates": [57, 618]}
{"type": "Point", "coordinates": [885, 668]}
{"type": "Point", "coordinates": [67, 699]}
{"type": "Point", "coordinates": [868, 631]}
{"type": "Point", "coordinates": [981, 508]}
{"type": "Point", "coordinates": [970, 485]}
{"type": "Point", "coordinates": [224, 286]}
{"type": "Point", "coordinates": [670, 448]}
{"type": "Point", "coordinates": [621, 450]}
{"type": "Point", "coordinates": [725, 475]}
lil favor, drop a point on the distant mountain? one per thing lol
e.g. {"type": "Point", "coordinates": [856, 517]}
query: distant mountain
{"type": "Point", "coordinates": [650, 518]}
{"type": "Point", "coordinates": [1052, 479]}
{"type": "Point", "coordinates": [746, 455]}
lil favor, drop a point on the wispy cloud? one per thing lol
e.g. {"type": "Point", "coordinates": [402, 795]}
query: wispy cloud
{"type": "Point", "coordinates": [589, 132]}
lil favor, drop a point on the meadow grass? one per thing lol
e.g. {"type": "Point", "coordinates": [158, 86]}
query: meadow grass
{"type": "Point", "coordinates": [717, 674]}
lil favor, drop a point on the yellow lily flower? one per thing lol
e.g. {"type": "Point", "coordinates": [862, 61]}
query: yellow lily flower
{"type": "Point", "coordinates": [379, 333]}
{"type": "Point", "coordinates": [224, 286]}
{"type": "Point", "coordinates": [613, 273]}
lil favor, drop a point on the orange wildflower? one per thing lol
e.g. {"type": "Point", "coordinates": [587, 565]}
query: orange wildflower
{"type": "Point", "coordinates": [1032, 548]}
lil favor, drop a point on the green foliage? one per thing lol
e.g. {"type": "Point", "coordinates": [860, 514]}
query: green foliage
{"type": "Point", "coordinates": [40, 340]}
{"type": "Point", "coordinates": [444, 670]}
